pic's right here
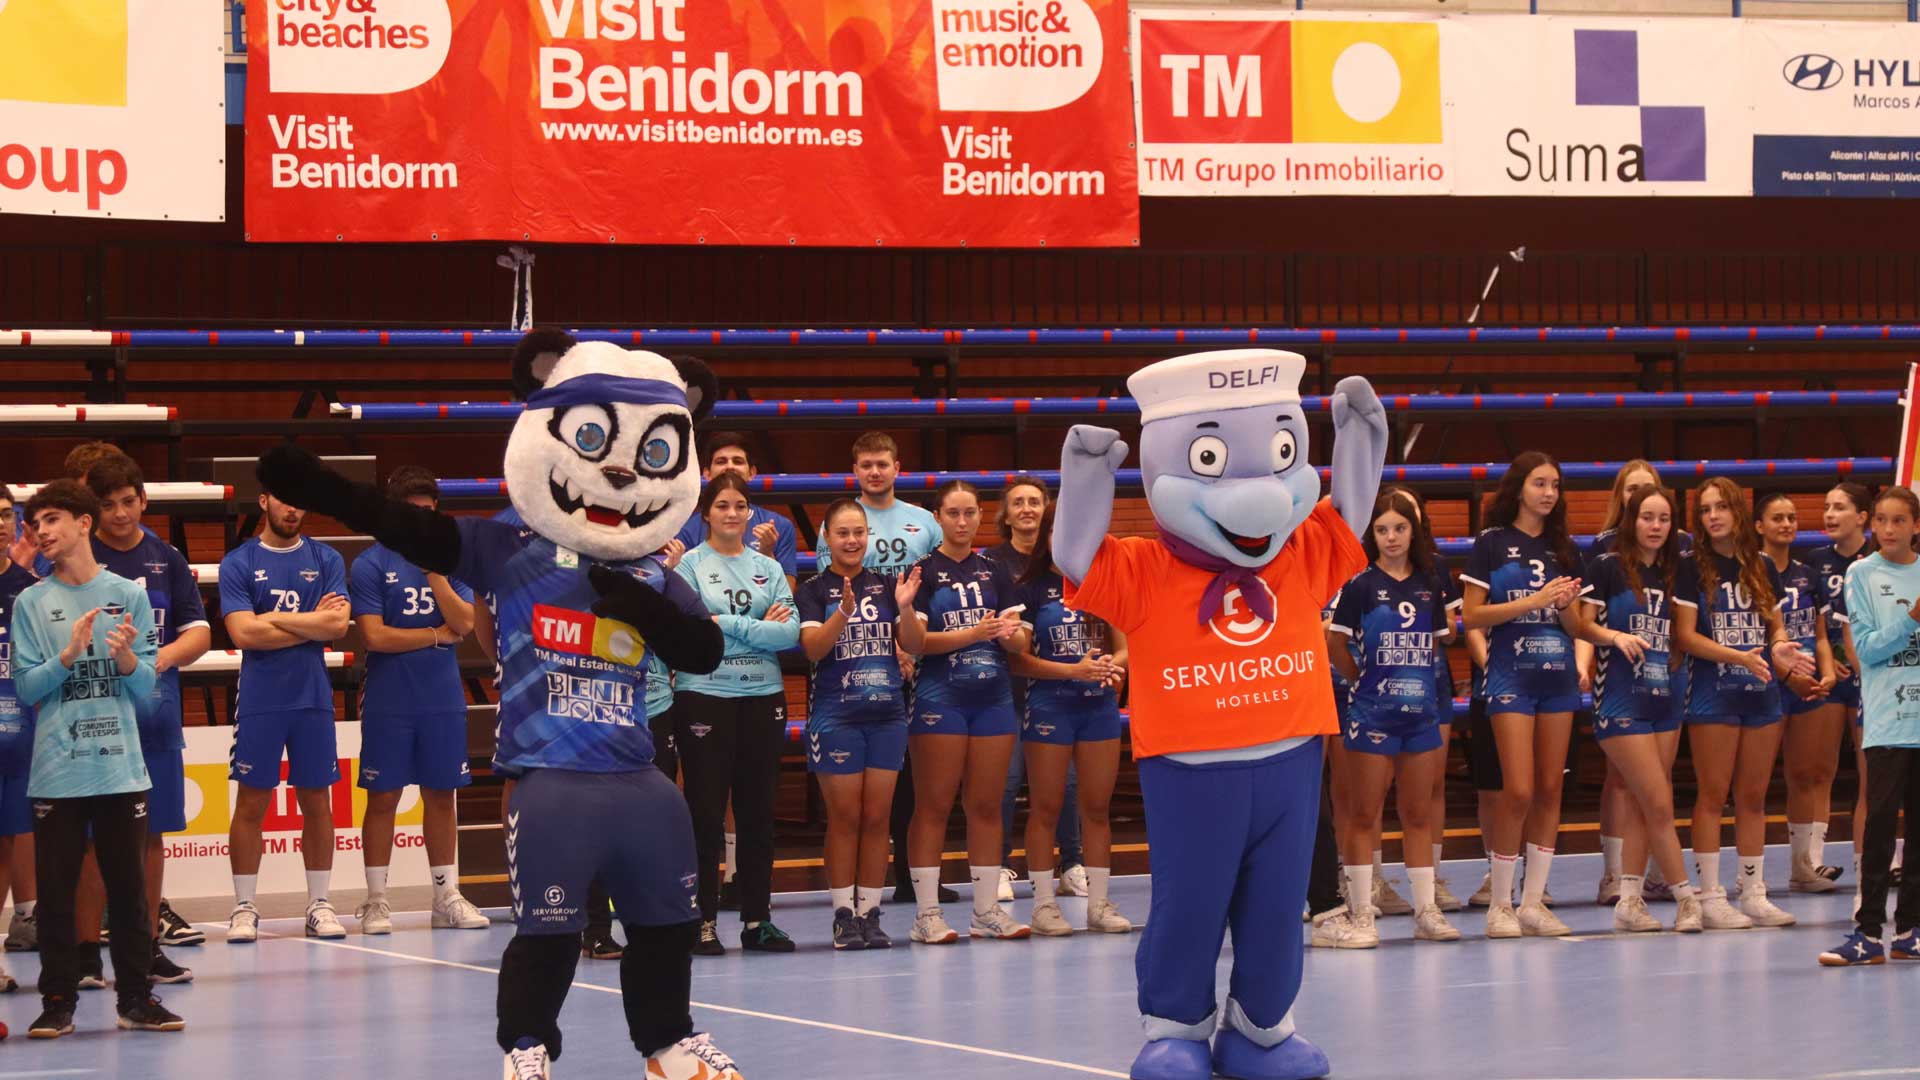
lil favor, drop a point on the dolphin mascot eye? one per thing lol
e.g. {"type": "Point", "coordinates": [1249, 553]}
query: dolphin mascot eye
{"type": "Point", "coordinates": [1285, 449]}
{"type": "Point", "coordinates": [1207, 456]}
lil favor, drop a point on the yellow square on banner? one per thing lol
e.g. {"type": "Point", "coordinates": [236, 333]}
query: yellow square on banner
{"type": "Point", "coordinates": [64, 52]}
{"type": "Point", "coordinates": [616, 641]}
{"type": "Point", "coordinates": [1366, 82]}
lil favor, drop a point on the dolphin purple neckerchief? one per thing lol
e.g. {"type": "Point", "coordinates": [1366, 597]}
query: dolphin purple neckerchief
{"type": "Point", "coordinates": [1226, 574]}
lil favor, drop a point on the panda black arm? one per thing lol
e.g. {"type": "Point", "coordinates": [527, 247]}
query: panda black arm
{"type": "Point", "coordinates": [425, 538]}
{"type": "Point", "coordinates": [673, 621]}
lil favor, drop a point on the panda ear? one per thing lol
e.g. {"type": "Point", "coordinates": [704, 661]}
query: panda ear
{"type": "Point", "coordinates": [534, 358]}
{"type": "Point", "coordinates": [702, 386]}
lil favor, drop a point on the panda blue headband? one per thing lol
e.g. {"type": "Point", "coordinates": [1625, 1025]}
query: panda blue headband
{"type": "Point", "coordinates": [599, 388]}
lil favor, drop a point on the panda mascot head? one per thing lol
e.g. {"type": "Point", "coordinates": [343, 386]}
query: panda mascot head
{"type": "Point", "coordinates": [602, 461]}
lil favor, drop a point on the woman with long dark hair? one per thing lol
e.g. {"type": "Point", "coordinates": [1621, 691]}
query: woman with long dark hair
{"type": "Point", "coordinates": [1520, 584]}
{"type": "Point", "coordinates": [1845, 515]}
{"type": "Point", "coordinates": [1727, 618]}
{"type": "Point", "coordinates": [1072, 718]}
{"type": "Point", "coordinates": [1628, 604]}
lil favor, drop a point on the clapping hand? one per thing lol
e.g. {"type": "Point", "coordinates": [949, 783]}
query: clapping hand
{"type": "Point", "coordinates": [120, 641]}
{"type": "Point", "coordinates": [906, 588]}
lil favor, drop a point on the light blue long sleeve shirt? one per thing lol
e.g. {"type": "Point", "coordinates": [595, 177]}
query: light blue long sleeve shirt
{"type": "Point", "coordinates": [87, 738]}
{"type": "Point", "coordinates": [739, 589]}
{"type": "Point", "coordinates": [1887, 641]}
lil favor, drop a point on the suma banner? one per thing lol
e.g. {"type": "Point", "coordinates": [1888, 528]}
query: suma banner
{"type": "Point", "coordinates": [805, 122]}
{"type": "Point", "coordinates": [112, 108]}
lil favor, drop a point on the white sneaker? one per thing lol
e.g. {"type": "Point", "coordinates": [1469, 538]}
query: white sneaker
{"type": "Point", "coordinates": [376, 917]}
{"type": "Point", "coordinates": [1048, 922]}
{"type": "Point", "coordinates": [1717, 914]}
{"type": "Point", "coordinates": [1807, 878]}
{"type": "Point", "coordinates": [1536, 921]}
{"type": "Point", "coordinates": [1443, 897]}
{"type": "Point", "coordinates": [1431, 925]}
{"type": "Point", "coordinates": [322, 922]}
{"type": "Point", "coordinates": [528, 1064]}
{"type": "Point", "coordinates": [1007, 878]}
{"type": "Point", "coordinates": [1609, 892]}
{"type": "Point", "coordinates": [1686, 917]}
{"type": "Point", "coordinates": [1630, 916]}
{"type": "Point", "coordinates": [1365, 933]}
{"type": "Point", "coordinates": [243, 923]}
{"type": "Point", "coordinates": [1333, 930]}
{"type": "Point", "coordinates": [1502, 922]}
{"type": "Point", "coordinates": [931, 928]}
{"type": "Point", "coordinates": [1104, 918]}
{"type": "Point", "coordinates": [692, 1058]}
{"type": "Point", "coordinates": [1483, 896]}
{"type": "Point", "coordinates": [1755, 905]}
{"type": "Point", "coordinates": [458, 913]}
{"type": "Point", "coordinates": [1386, 901]}
{"type": "Point", "coordinates": [1074, 882]}
{"type": "Point", "coordinates": [7, 983]}
{"type": "Point", "coordinates": [996, 923]}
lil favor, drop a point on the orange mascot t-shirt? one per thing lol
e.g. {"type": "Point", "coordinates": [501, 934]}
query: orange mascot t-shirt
{"type": "Point", "coordinates": [1236, 680]}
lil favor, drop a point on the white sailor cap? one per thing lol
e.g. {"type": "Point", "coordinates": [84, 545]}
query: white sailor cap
{"type": "Point", "coordinates": [1211, 381]}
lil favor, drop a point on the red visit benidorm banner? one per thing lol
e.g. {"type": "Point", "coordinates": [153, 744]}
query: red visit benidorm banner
{"type": "Point", "coordinates": [808, 122]}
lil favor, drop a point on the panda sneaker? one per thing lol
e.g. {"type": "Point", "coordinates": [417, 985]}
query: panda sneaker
{"type": "Point", "coordinates": [692, 1058]}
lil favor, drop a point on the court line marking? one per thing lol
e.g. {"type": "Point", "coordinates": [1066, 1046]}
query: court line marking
{"type": "Point", "coordinates": [46, 1072]}
{"type": "Point", "coordinates": [1005, 1055]}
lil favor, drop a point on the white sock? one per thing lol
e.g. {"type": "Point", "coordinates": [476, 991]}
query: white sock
{"type": "Point", "coordinates": [1798, 834]}
{"type": "Point", "coordinates": [1359, 887]}
{"type": "Point", "coordinates": [317, 881]}
{"type": "Point", "coordinates": [446, 881]}
{"type": "Point", "coordinates": [731, 846]}
{"type": "Point", "coordinates": [376, 883]}
{"type": "Point", "coordinates": [1610, 847]}
{"type": "Point", "coordinates": [1421, 878]}
{"type": "Point", "coordinates": [1502, 890]}
{"type": "Point", "coordinates": [1539, 863]}
{"type": "Point", "coordinates": [842, 898]}
{"type": "Point", "coordinates": [1042, 886]}
{"type": "Point", "coordinates": [1817, 842]}
{"type": "Point", "coordinates": [244, 886]}
{"type": "Point", "coordinates": [1097, 883]}
{"type": "Point", "coordinates": [24, 908]}
{"type": "Point", "coordinates": [1684, 891]}
{"type": "Point", "coordinates": [1630, 886]}
{"type": "Point", "coordinates": [1752, 881]}
{"type": "Point", "coordinates": [926, 887]}
{"type": "Point", "coordinates": [865, 899]}
{"type": "Point", "coordinates": [1436, 856]}
{"type": "Point", "coordinates": [986, 887]}
{"type": "Point", "coordinates": [1706, 867]}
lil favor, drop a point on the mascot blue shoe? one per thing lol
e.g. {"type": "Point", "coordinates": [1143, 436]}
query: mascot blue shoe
{"type": "Point", "coordinates": [1292, 1058]}
{"type": "Point", "coordinates": [1172, 1059]}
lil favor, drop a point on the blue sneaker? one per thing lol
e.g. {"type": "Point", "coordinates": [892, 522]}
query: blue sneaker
{"type": "Point", "coordinates": [1293, 1058]}
{"type": "Point", "coordinates": [1858, 950]}
{"type": "Point", "coordinates": [1172, 1059]}
{"type": "Point", "coordinates": [1906, 946]}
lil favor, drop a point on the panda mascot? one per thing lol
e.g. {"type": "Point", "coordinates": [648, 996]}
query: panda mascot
{"type": "Point", "coordinates": [602, 472]}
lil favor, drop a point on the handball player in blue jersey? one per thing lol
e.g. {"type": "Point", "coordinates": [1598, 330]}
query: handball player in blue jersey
{"type": "Point", "coordinates": [962, 719]}
{"type": "Point", "coordinates": [16, 731]}
{"type": "Point", "coordinates": [1628, 603]}
{"type": "Point", "coordinates": [1382, 638]}
{"type": "Point", "coordinates": [283, 598]}
{"type": "Point", "coordinates": [853, 623]}
{"type": "Point", "coordinates": [1845, 516]}
{"type": "Point", "coordinates": [413, 712]}
{"type": "Point", "coordinates": [1072, 718]}
{"type": "Point", "coordinates": [1520, 585]}
{"type": "Point", "coordinates": [182, 635]}
{"type": "Point", "coordinates": [1727, 619]}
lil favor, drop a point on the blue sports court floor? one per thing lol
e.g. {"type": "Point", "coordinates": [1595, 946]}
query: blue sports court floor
{"type": "Point", "coordinates": [1749, 1004]}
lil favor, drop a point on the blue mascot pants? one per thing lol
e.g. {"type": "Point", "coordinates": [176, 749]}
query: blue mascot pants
{"type": "Point", "coordinates": [1232, 846]}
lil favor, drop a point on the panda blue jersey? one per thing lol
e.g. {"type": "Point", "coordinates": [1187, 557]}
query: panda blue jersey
{"type": "Point", "coordinates": [1533, 649]}
{"type": "Point", "coordinates": [956, 596]}
{"type": "Point", "coordinates": [1063, 636]}
{"type": "Point", "coordinates": [1393, 623]}
{"type": "Point", "coordinates": [897, 537]}
{"type": "Point", "coordinates": [739, 590]}
{"type": "Point", "coordinates": [416, 683]}
{"type": "Point", "coordinates": [573, 686]}
{"type": "Point", "coordinates": [860, 678]}
{"type": "Point", "coordinates": [16, 719]}
{"type": "Point", "coordinates": [260, 579]}
{"type": "Point", "coordinates": [1802, 596]}
{"type": "Point", "coordinates": [158, 567]}
{"type": "Point", "coordinates": [1727, 616]}
{"type": "Point", "coordinates": [1622, 688]}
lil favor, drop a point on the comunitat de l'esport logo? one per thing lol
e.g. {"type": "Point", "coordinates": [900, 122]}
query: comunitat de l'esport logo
{"type": "Point", "coordinates": [1815, 72]}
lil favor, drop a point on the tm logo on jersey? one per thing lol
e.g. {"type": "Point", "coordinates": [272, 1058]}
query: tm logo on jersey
{"type": "Point", "coordinates": [582, 633]}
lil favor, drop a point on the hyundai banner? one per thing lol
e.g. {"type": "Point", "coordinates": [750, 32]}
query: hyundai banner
{"type": "Point", "coordinates": [1836, 108]}
{"type": "Point", "coordinates": [788, 122]}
